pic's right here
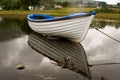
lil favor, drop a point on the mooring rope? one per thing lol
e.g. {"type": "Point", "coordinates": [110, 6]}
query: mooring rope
{"type": "Point", "coordinates": [103, 64]}
{"type": "Point", "coordinates": [107, 35]}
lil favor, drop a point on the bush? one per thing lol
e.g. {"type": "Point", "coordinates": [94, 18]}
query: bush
{"type": "Point", "coordinates": [104, 10]}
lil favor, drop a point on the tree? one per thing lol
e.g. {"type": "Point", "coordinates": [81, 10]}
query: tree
{"type": "Point", "coordinates": [24, 4]}
{"type": "Point", "coordinates": [102, 4]}
{"type": "Point", "coordinates": [10, 4]}
{"type": "Point", "coordinates": [118, 4]}
{"type": "Point", "coordinates": [47, 3]}
{"type": "Point", "coordinates": [65, 4]}
{"type": "Point", "coordinates": [33, 2]}
{"type": "Point", "coordinates": [6, 4]}
{"type": "Point", "coordinates": [18, 4]}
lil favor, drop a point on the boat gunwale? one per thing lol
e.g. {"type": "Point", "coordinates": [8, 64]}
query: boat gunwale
{"type": "Point", "coordinates": [59, 19]}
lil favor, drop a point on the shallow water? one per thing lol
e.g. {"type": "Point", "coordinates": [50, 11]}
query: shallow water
{"type": "Point", "coordinates": [14, 50]}
{"type": "Point", "coordinates": [100, 47]}
{"type": "Point", "coordinates": [103, 52]}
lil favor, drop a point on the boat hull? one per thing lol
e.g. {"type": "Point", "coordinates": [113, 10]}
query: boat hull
{"type": "Point", "coordinates": [74, 29]}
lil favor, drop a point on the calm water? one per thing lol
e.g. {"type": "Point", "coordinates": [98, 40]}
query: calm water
{"type": "Point", "coordinates": [103, 52]}
{"type": "Point", "coordinates": [14, 50]}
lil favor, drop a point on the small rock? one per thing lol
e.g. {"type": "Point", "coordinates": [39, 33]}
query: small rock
{"type": "Point", "coordinates": [20, 66]}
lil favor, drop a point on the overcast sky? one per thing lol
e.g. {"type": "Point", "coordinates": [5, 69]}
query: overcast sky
{"type": "Point", "coordinates": [110, 1]}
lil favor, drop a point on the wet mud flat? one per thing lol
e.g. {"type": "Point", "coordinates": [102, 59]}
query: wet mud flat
{"type": "Point", "coordinates": [59, 49]}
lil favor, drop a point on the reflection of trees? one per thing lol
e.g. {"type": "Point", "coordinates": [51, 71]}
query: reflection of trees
{"type": "Point", "coordinates": [24, 26]}
{"type": "Point", "coordinates": [117, 25]}
{"type": "Point", "coordinates": [102, 24]}
{"type": "Point", "coordinates": [99, 24]}
{"type": "Point", "coordinates": [15, 23]}
{"type": "Point", "coordinates": [13, 27]}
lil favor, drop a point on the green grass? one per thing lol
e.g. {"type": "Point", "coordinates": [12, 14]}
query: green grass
{"type": "Point", "coordinates": [62, 12]}
{"type": "Point", "coordinates": [55, 12]}
{"type": "Point", "coordinates": [108, 16]}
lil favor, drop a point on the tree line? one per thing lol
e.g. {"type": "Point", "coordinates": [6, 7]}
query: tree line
{"type": "Point", "coordinates": [23, 4]}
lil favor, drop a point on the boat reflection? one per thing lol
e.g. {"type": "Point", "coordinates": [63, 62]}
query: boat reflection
{"type": "Point", "coordinates": [58, 49]}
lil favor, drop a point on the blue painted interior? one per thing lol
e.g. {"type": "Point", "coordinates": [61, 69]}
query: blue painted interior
{"type": "Point", "coordinates": [41, 17]}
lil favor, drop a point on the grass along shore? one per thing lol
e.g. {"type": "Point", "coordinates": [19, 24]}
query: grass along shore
{"type": "Point", "coordinates": [60, 12]}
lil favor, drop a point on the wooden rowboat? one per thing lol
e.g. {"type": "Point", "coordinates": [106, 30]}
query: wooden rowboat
{"type": "Point", "coordinates": [73, 27]}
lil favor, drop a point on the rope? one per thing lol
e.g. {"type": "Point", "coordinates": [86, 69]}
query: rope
{"type": "Point", "coordinates": [103, 64]}
{"type": "Point", "coordinates": [107, 35]}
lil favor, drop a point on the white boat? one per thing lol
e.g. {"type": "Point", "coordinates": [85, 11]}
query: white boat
{"type": "Point", "coordinates": [74, 26]}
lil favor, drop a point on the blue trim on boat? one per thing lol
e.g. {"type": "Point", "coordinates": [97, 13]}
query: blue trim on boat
{"type": "Point", "coordinates": [46, 18]}
{"type": "Point", "coordinates": [33, 17]}
{"type": "Point", "coordinates": [93, 13]}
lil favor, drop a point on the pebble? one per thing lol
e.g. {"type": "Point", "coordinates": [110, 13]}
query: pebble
{"type": "Point", "coordinates": [20, 66]}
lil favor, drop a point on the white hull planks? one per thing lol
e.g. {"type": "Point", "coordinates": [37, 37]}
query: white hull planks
{"type": "Point", "coordinates": [74, 29]}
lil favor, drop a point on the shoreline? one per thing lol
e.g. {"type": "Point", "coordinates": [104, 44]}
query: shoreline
{"type": "Point", "coordinates": [56, 13]}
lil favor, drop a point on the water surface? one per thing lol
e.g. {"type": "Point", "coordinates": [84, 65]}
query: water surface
{"type": "Point", "coordinates": [103, 52]}
{"type": "Point", "coordinates": [14, 50]}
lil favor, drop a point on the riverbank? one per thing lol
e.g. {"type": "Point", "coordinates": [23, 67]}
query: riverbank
{"type": "Point", "coordinates": [60, 12]}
